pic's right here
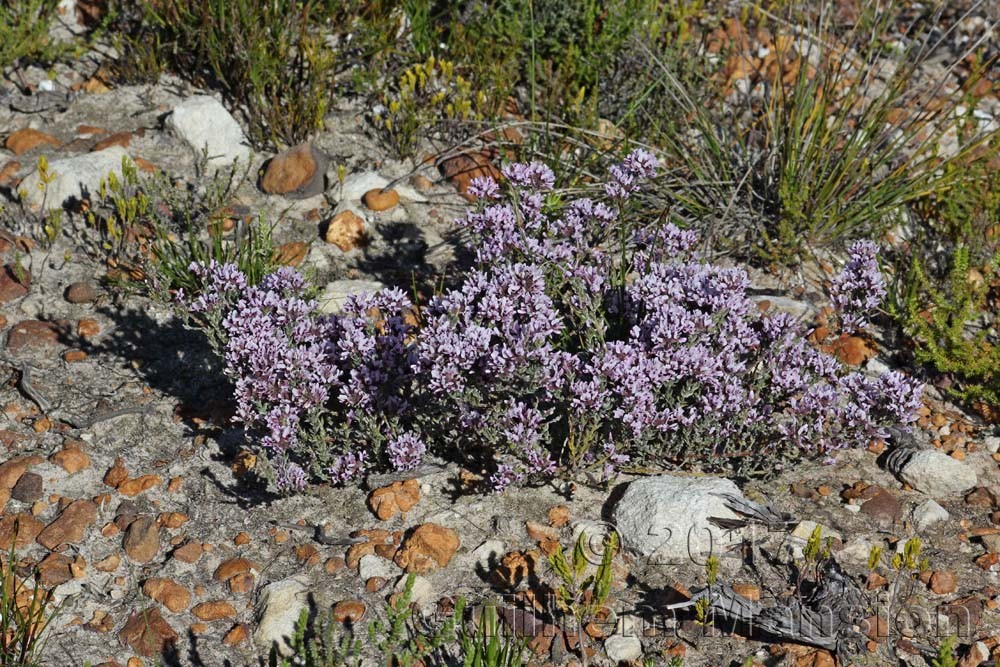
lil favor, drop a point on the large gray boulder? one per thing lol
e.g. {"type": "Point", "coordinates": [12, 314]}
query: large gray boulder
{"type": "Point", "coordinates": [666, 518]}
{"type": "Point", "coordinates": [937, 474]}
{"type": "Point", "coordinates": [74, 177]}
{"type": "Point", "coordinates": [206, 126]}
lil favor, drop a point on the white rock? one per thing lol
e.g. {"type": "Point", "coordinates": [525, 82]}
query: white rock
{"type": "Point", "coordinates": [422, 593]}
{"type": "Point", "coordinates": [281, 603]}
{"type": "Point", "coordinates": [205, 125]}
{"type": "Point", "coordinates": [804, 531]}
{"type": "Point", "coordinates": [622, 649]}
{"type": "Point", "coordinates": [992, 443]}
{"type": "Point", "coordinates": [375, 566]}
{"type": "Point", "coordinates": [855, 552]}
{"type": "Point", "coordinates": [666, 517]}
{"type": "Point", "coordinates": [356, 185]}
{"type": "Point", "coordinates": [335, 294]}
{"type": "Point", "coordinates": [928, 513]}
{"type": "Point", "coordinates": [73, 177]}
{"type": "Point", "coordinates": [876, 367]}
{"type": "Point", "coordinates": [488, 554]}
{"type": "Point", "coordinates": [937, 474]}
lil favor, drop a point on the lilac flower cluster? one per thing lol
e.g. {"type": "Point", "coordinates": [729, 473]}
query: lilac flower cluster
{"type": "Point", "coordinates": [306, 382]}
{"type": "Point", "coordinates": [859, 288]}
{"type": "Point", "coordinates": [575, 342]}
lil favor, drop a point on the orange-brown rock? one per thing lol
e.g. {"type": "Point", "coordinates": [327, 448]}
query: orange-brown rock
{"type": "Point", "coordinates": [428, 547]}
{"type": "Point", "coordinates": [291, 254]}
{"type": "Point", "coordinates": [19, 529]}
{"type": "Point", "coordinates": [55, 569]}
{"type": "Point", "coordinates": [380, 199]}
{"type": "Point", "coordinates": [349, 611]}
{"type": "Point", "coordinates": [108, 564]}
{"type": "Point", "coordinates": [189, 552]}
{"type": "Point", "coordinates": [22, 141]}
{"type": "Point", "coordinates": [7, 172]}
{"type": "Point", "coordinates": [70, 526]}
{"type": "Point", "coordinates": [230, 568]}
{"type": "Point", "coordinates": [147, 632]}
{"type": "Point", "coordinates": [943, 582]}
{"type": "Point", "coordinates": [88, 328]}
{"type": "Point", "coordinates": [172, 519]}
{"type": "Point", "coordinates": [71, 457]}
{"type": "Point", "coordinates": [167, 592]}
{"type": "Point", "coordinates": [142, 540]}
{"type": "Point", "coordinates": [461, 169]}
{"type": "Point", "coordinates": [122, 139]}
{"type": "Point", "coordinates": [15, 281]}
{"type": "Point", "coordinates": [133, 487]}
{"type": "Point", "coordinates": [214, 610]}
{"type": "Point", "coordinates": [297, 172]}
{"type": "Point", "coordinates": [116, 474]}
{"type": "Point", "coordinates": [346, 230]}
{"type": "Point", "coordinates": [558, 516]}
{"type": "Point", "coordinates": [388, 501]}
{"type": "Point", "coordinates": [237, 635]}
{"type": "Point", "coordinates": [34, 334]}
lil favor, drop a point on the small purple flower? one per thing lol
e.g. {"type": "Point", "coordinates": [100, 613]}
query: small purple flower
{"type": "Point", "coordinates": [289, 477]}
{"type": "Point", "coordinates": [483, 187]}
{"type": "Point", "coordinates": [533, 176]}
{"type": "Point", "coordinates": [348, 467]}
{"type": "Point", "coordinates": [859, 288]}
{"type": "Point", "coordinates": [504, 477]}
{"type": "Point", "coordinates": [406, 451]}
{"type": "Point", "coordinates": [626, 177]}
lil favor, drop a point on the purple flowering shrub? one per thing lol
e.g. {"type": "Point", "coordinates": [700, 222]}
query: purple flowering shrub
{"type": "Point", "coordinates": [575, 343]}
{"type": "Point", "coordinates": [327, 395]}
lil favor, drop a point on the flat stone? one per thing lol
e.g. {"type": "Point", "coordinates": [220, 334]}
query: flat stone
{"type": "Point", "coordinates": [214, 610]}
{"type": "Point", "coordinates": [142, 539]}
{"type": "Point", "coordinates": [71, 526]}
{"type": "Point", "coordinates": [280, 606]}
{"type": "Point", "coordinates": [147, 633]}
{"type": "Point", "coordinates": [28, 489]}
{"type": "Point", "coordinates": [81, 292]}
{"type": "Point", "coordinates": [38, 333]}
{"type": "Point", "coordinates": [423, 593]}
{"type": "Point", "coordinates": [335, 294]}
{"type": "Point", "coordinates": [487, 555]}
{"type": "Point", "coordinates": [19, 529]}
{"type": "Point", "coordinates": [667, 517]}
{"type": "Point", "coordinates": [55, 569]}
{"type": "Point", "coordinates": [14, 283]}
{"type": "Point", "coordinates": [24, 140]}
{"type": "Point", "coordinates": [71, 458]}
{"type": "Point", "coordinates": [167, 592]}
{"type": "Point", "coordinates": [623, 649]}
{"type": "Point", "coordinates": [209, 129]}
{"type": "Point", "coordinates": [883, 507]}
{"type": "Point", "coordinates": [122, 139]}
{"type": "Point", "coordinates": [74, 178]}
{"type": "Point", "coordinates": [937, 474]}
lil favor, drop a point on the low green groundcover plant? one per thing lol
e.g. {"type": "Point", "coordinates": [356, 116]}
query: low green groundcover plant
{"type": "Point", "coordinates": [576, 343]}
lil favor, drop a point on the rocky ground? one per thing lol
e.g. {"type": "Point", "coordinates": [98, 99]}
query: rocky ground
{"type": "Point", "coordinates": [128, 488]}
